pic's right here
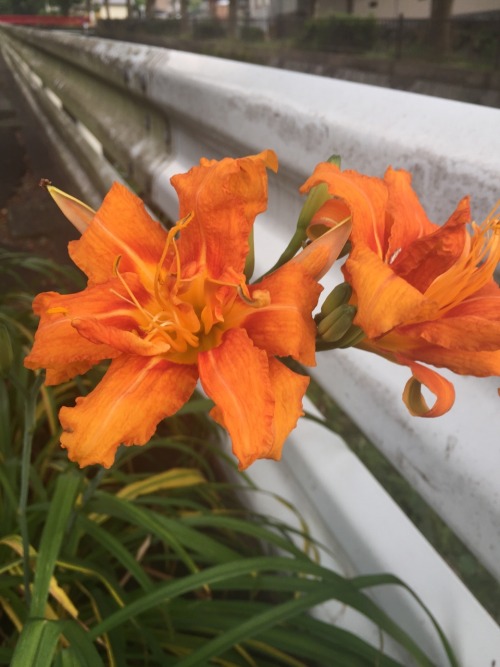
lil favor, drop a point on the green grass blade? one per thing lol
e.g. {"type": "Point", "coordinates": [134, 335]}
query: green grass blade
{"type": "Point", "coordinates": [116, 549]}
{"type": "Point", "coordinates": [389, 579]}
{"type": "Point", "coordinates": [257, 624]}
{"type": "Point", "coordinates": [246, 527]}
{"type": "Point", "coordinates": [338, 588]}
{"type": "Point", "coordinates": [37, 643]}
{"type": "Point", "coordinates": [52, 537]}
{"type": "Point", "coordinates": [81, 651]}
{"type": "Point", "coordinates": [303, 636]}
{"type": "Point", "coordinates": [172, 531]}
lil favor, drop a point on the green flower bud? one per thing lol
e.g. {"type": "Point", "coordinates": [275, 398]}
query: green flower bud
{"type": "Point", "coordinates": [352, 337]}
{"type": "Point", "coordinates": [336, 324]}
{"type": "Point", "coordinates": [339, 296]}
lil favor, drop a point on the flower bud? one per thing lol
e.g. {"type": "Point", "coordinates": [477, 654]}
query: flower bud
{"type": "Point", "coordinates": [78, 213]}
{"type": "Point", "coordinates": [337, 297]}
{"type": "Point", "coordinates": [336, 324]}
{"type": "Point", "coordinates": [352, 337]}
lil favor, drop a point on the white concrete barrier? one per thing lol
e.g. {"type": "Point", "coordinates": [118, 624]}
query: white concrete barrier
{"type": "Point", "coordinates": [154, 113]}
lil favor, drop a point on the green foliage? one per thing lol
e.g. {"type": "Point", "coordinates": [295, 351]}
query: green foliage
{"type": "Point", "coordinates": [208, 29]}
{"type": "Point", "coordinates": [21, 6]}
{"type": "Point", "coordinates": [251, 33]}
{"type": "Point", "coordinates": [153, 26]}
{"type": "Point", "coordinates": [153, 562]}
{"type": "Point", "coordinates": [476, 41]}
{"type": "Point", "coordinates": [339, 32]}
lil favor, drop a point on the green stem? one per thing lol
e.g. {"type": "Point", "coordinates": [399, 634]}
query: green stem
{"type": "Point", "coordinates": [29, 430]}
{"type": "Point", "coordinates": [292, 248]}
{"type": "Point", "coordinates": [317, 196]}
{"type": "Point", "coordinates": [90, 489]}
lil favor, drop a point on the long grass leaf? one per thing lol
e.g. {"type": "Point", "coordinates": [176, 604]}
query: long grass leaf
{"type": "Point", "coordinates": [171, 531]}
{"type": "Point", "coordinates": [391, 580]}
{"type": "Point", "coordinates": [115, 549]}
{"type": "Point", "coordinates": [253, 626]}
{"type": "Point", "coordinates": [81, 648]}
{"type": "Point", "coordinates": [245, 527]}
{"type": "Point", "coordinates": [175, 478]}
{"type": "Point", "coordinates": [37, 643]}
{"type": "Point", "coordinates": [52, 537]}
{"type": "Point", "coordinates": [338, 588]}
{"type": "Point", "coordinates": [302, 636]}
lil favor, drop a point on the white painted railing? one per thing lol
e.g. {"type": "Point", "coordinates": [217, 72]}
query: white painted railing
{"type": "Point", "coordinates": [154, 113]}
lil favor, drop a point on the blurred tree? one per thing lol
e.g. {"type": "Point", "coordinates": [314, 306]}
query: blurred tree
{"type": "Point", "coordinates": [440, 27]}
{"type": "Point", "coordinates": [233, 19]}
{"type": "Point", "coordinates": [184, 16]}
{"type": "Point", "coordinates": [306, 8]}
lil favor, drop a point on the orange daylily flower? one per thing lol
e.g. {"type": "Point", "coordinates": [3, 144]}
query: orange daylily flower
{"type": "Point", "coordinates": [171, 307]}
{"type": "Point", "coordinates": [424, 293]}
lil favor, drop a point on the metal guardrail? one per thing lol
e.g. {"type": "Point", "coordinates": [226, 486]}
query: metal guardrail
{"type": "Point", "coordinates": [154, 113]}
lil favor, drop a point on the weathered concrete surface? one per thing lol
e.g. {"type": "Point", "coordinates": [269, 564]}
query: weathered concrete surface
{"type": "Point", "coordinates": [475, 86]}
{"type": "Point", "coordinates": [29, 220]}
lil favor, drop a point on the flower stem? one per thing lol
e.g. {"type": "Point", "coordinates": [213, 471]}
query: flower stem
{"type": "Point", "coordinates": [29, 430]}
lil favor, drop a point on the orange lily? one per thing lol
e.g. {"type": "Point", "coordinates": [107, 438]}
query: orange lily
{"type": "Point", "coordinates": [423, 293]}
{"type": "Point", "coordinates": [171, 307]}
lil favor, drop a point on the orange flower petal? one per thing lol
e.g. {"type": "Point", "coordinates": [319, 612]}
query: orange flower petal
{"type": "Point", "coordinates": [288, 389]}
{"type": "Point", "coordinates": [121, 228]}
{"type": "Point", "coordinates": [67, 372]}
{"type": "Point", "coordinates": [331, 214]}
{"type": "Point", "coordinates": [285, 327]}
{"type": "Point", "coordinates": [225, 198]}
{"type": "Point", "coordinates": [438, 385]}
{"type": "Point", "coordinates": [406, 219]}
{"type": "Point", "coordinates": [467, 333]}
{"type": "Point", "coordinates": [318, 257]}
{"type": "Point", "coordinates": [388, 300]}
{"type": "Point", "coordinates": [66, 346]}
{"type": "Point", "coordinates": [366, 197]}
{"type": "Point", "coordinates": [463, 362]}
{"type": "Point", "coordinates": [58, 347]}
{"type": "Point", "coordinates": [423, 260]}
{"type": "Point", "coordinates": [125, 341]}
{"type": "Point", "coordinates": [235, 375]}
{"type": "Point", "coordinates": [125, 407]}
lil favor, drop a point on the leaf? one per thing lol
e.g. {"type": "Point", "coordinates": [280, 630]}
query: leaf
{"type": "Point", "coordinates": [37, 643]}
{"type": "Point", "coordinates": [52, 538]}
{"type": "Point", "coordinates": [81, 651]}
{"type": "Point", "coordinates": [174, 478]}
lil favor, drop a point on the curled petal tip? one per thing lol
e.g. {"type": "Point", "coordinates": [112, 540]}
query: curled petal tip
{"type": "Point", "coordinates": [270, 159]}
{"type": "Point", "coordinates": [437, 384]}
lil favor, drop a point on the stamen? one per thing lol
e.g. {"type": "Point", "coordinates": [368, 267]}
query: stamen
{"type": "Point", "coordinates": [473, 269]}
{"type": "Point", "coordinates": [127, 288]}
{"type": "Point", "coordinates": [171, 239]}
{"type": "Point", "coordinates": [261, 298]}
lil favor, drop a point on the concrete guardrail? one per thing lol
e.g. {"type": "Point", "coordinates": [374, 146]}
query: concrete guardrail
{"type": "Point", "coordinates": [151, 113]}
